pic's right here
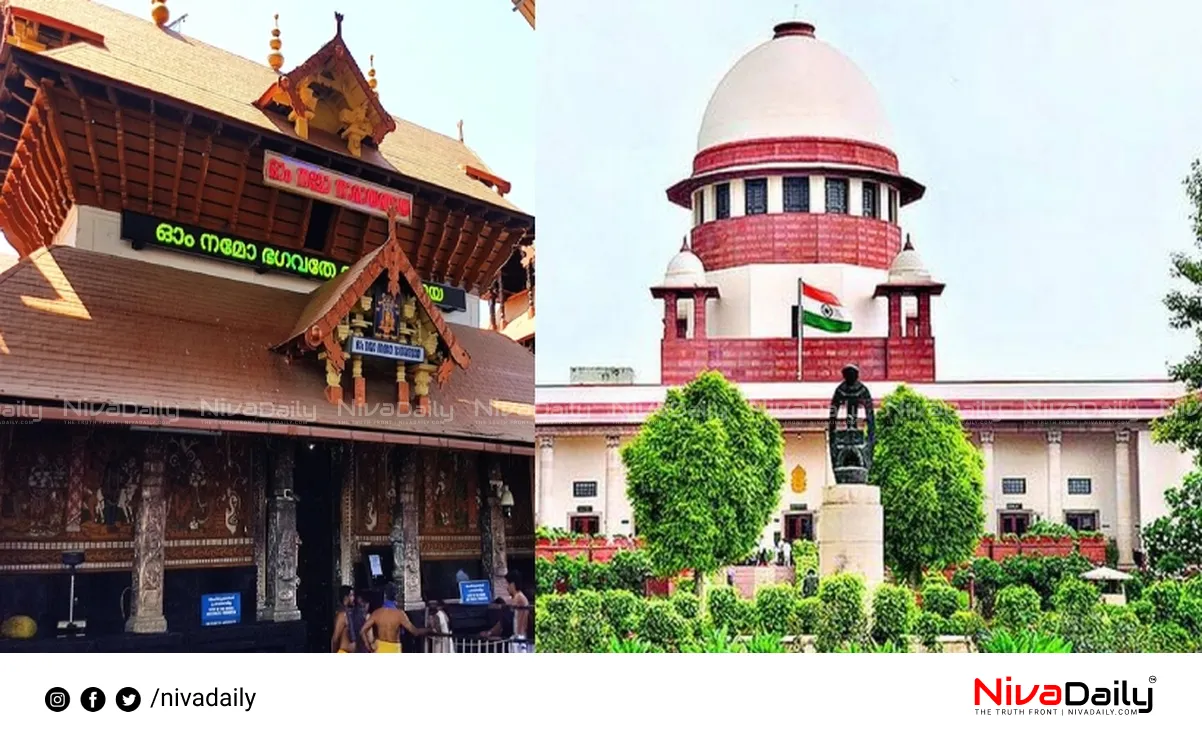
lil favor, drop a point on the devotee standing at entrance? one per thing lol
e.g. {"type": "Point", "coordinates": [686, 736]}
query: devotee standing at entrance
{"type": "Point", "coordinates": [521, 612]}
{"type": "Point", "coordinates": [343, 640]}
{"type": "Point", "coordinates": [440, 625]}
{"type": "Point", "coordinates": [358, 618]}
{"type": "Point", "coordinates": [387, 621]}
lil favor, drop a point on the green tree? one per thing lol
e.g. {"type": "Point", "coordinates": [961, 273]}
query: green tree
{"type": "Point", "coordinates": [1183, 424]}
{"type": "Point", "coordinates": [703, 475]}
{"type": "Point", "coordinates": [1174, 542]}
{"type": "Point", "coordinates": [932, 484]}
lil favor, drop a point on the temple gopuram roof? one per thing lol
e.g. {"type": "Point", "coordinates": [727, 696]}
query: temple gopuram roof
{"type": "Point", "coordinates": [133, 51]}
{"type": "Point", "coordinates": [164, 342]}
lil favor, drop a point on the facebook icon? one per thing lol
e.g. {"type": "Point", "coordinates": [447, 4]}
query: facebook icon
{"type": "Point", "coordinates": [92, 699]}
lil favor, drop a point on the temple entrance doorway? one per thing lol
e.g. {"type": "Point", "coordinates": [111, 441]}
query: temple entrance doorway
{"type": "Point", "coordinates": [317, 482]}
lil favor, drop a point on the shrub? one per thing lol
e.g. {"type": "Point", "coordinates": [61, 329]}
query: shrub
{"type": "Point", "coordinates": [1126, 633]}
{"type": "Point", "coordinates": [631, 569]}
{"type": "Point", "coordinates": [567, 569]}
{"type": "Point", "coordinates": [928, 626]}
{"type": "Point", "coordinates": [805, 557]}
{"type": "Point", "coordinates": [892, 607]}
{"type": "Point", "coordinates": [1165, 595]}
{"type": "Point", "coordinates": [808, 610]}
{"type": "Point", "coordinates": [1167, 637]}
{"type": "Point", "coordinates": [1144, 610]}
{"type": "Point", "coordinates": [1189, 614]}
{"type": "Point", "coordinates": [966, 624]}
{"type": "Point", "coordinates": [554, 624]}
{"type": "Point", "coordinates": [663, 626]}
{"type": "Point", "coordinates": [544, 576]}
{"type": "Point", "coordinates": [940, 598]}
{"type": "Point", "coordinates": [1016, 608]}
{"type": "Point", "coordinates": [631, 645]}
{"type": "Point", "coordinates": [724, 607]}
{"type": "Point", "coordinates": [596, 576]}
{"type": "Point", "coordinates": [766, 644]}
{"type": "Point", "coordinates": [592, 631]}
{"type": "Point", "coordinates": [687, 604]}
{"type": "Point", "coordinates": [1050, 529]}
{"type": "Point", "coordinates": [841, 618]}
{"type": "Point", "coordinates": [988, 579]}
{"type": "Point", "coordinates": [1023, 641]}
{"type": "Point", "coordinates": [776, 609]}
{"type": "Point", "coordinates": [1075, 596]}
{"type": "Point", "coordinates": [623, 611]}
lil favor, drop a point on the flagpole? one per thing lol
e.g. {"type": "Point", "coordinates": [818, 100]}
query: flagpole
{"type": "Point", "coordinates": [800, 326]}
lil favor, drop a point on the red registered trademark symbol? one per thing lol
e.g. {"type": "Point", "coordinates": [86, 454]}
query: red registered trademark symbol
{"type": "Point", "coordinates": [1151, 679]}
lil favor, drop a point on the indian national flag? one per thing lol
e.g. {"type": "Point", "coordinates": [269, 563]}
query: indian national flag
{"type": "Point", "coordinates": [822, 310]}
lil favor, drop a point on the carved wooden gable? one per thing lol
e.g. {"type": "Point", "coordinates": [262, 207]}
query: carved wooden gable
{"type": "Point", "coordinates": [377, 316]}
{"type": "Point", "coordinates": [329, 93]}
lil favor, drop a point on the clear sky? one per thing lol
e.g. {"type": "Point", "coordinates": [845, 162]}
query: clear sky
{"type": "Point", "coordinates": [1052, 137]}
{"type": "Point", "coordinates": [437, 62]}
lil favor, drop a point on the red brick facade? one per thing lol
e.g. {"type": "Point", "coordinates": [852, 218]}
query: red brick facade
{"type": "Point", "coordinates": [775, 359]}
{"type": "Point", "coordinates": [796, 238]}
{"type": "Point", "coordinates": [796, 149]}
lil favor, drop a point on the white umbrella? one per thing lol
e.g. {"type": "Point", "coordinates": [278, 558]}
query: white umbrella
{"type": "Point", "coordinates": [1105, 573]}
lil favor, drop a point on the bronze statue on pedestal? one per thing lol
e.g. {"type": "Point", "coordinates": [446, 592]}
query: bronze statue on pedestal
{"type": "Point", "coordinates": [851, 448]}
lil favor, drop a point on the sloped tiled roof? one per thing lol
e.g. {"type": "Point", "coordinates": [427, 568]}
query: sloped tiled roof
{"type": "Point", "coordinates": [170, 339]}
{"type": "Point", "coordinates": [169, 64]}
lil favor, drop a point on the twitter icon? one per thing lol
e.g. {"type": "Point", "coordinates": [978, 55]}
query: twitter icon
{"type": "Point", "coordinates": [128, 699]}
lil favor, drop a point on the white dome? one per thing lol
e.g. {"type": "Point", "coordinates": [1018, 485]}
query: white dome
{"type": "Point", "coordinates": [685, 269]}
{"type": "Point", "coordinates": [907, 267]}
{"type": "Point", "coordinates": [794, 86]}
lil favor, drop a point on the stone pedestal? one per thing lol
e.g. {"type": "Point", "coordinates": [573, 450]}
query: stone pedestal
{"type": "Point", "coordinates": [851, 532]}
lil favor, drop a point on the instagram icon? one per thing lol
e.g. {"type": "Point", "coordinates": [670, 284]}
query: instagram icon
{"type": "Point", "coordinates": [57, 699]}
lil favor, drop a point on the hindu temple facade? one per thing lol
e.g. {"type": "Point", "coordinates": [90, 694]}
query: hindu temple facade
{"type": "Point", "coordinates": [241, 352]}
{"type": "Point", "coordinates": [796, 264]}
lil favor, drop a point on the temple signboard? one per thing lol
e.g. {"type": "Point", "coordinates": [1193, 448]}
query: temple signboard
{"type": "Point", "coordinates": [331, 186]}
{"type": "Point", "coordinates": [386, 349]}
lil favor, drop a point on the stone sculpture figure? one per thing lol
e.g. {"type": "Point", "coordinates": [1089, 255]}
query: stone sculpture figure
{"type": "Point", "coordinates": [851, 447]}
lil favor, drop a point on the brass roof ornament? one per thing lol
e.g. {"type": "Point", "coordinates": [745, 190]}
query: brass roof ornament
{"type": "Point", "coordinates": [160, 13]}
{"type": "Point", "coordinates": [371, 75]}
{"type": "Point", "coordinates": [275, 58]}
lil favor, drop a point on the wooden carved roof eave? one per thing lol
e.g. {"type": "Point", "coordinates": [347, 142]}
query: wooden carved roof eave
{"type": "Point", "coordinates": [336, 52]}
{"type": "Point", "coordinates": [38, 67]}
{"type": "Point", "coordinates": [389, 257]}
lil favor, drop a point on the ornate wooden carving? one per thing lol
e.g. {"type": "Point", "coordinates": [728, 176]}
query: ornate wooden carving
{"type": "Point", "coordinates": [403, 534]}
{"type": "Point", "coordinates": [205, 159]}
{"type": "Point", "coordinates": [208, 481]}
{"type": "Point", "coordinates": [282, 540]}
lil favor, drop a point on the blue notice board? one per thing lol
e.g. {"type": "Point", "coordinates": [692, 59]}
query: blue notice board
{"type": "Point", "coordinates": [475, 592]}
{"type": "Point", "coordinates": [220, 608]}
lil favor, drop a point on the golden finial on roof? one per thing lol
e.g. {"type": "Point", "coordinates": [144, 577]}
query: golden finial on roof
{"type": "Point", "coordinates": [159, 12]}
{"type": "Point", "coordinates": [460, 125]}
{"type": "Point", "coordinates": [275, 59]}
{"type": "Point", "coordinates": [371, 74]}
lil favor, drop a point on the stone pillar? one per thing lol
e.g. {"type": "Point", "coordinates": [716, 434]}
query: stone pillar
{"type": "Point", "coordinates": [546, 453]}
{"type": "Point", "coordinates": [990, 499]}
{"type": "Point", "coordinates": [895, 314]}
{"type": "Point", "coordinates": [1055, 502]}
{"type": "Point", "coordinates": [406, 549]}
{"type": "Point", "coordinates": [492, 532]}
{"type": "Point", "coordinates": [699, 298]}
{"type": "Point", "coordinates": [346, 518]}
{"type": "Point", "coordinates": [1125, 523]}
{"type": "Point", "coordinates": [283, 543]}
{"type": "Point", "coordinates": [150, 526]}
{"type": "Point", "coordinates": [851, 533]}
{"type": "Point", "coordinates": [670, 317]}
{"type": "Point", "coordinates": [613, 465]}
{"type": "Point", "coordinates": [259, 529]}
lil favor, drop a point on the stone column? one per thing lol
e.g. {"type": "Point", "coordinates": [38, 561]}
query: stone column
{"type": "Point", "coordinates": [492, 532]}
{"type": "Point", "coordinates": [895, 315]}
{"type": "Point", "coordinates": [346, 518]}
{"type": "Point", "coordinates": [1125, 523]}
{"type": "Point", "coordinates": [613, 465]}
{"type": "Point", "coordinates": [406, 549]}
{"type": "Point", "coordinates": [924, 315]}
{"type": "Point", "coordinates": [1055, 502]}
{"type": "Point", "coordinates": [283, 543]}
{"type": "Point", "coordinates": [546, 453]}
{"type": "Point", "coordinates": [259, 529]}
{"type": "Point", "coordinates": [670, 317]}
{"type": "Point", "coordinates": [150, 526]}
{"type": "Point", "coordinates": [990, 500]}
{"type": "Point", "coordinates": [699, 298]}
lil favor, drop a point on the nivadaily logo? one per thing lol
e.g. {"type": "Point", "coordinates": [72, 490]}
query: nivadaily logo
{"type": "Point", "coordinates": [1071, 698]}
